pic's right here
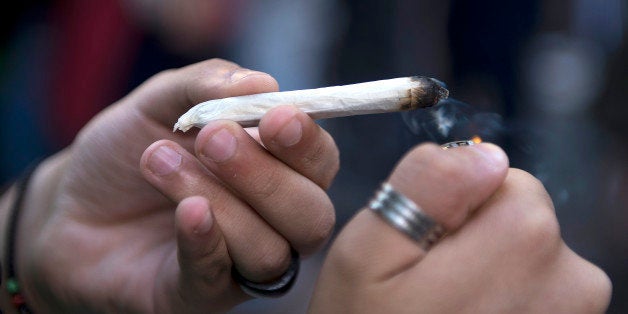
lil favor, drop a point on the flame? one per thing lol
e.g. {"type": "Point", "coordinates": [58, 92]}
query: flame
{"type": "Point", "coordinates": [476, 139]}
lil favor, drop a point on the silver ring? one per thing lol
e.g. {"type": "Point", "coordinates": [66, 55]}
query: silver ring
{"type": "Point", "coordinates": [273, 289]}
{"type": "Point", "coordinates": [404, 215]}
{"type": "Point", "coordinates": [457, 144]}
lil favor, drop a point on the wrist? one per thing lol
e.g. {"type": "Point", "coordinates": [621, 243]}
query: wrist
{"type": "Point", "coordinates": [6, 202]}
{"type": "Point", "coordinates": [19, 233]}
{"type": "Point", "coordinates": [12, 206]}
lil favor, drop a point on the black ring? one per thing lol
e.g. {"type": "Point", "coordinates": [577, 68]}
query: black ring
{"type": "Point", "coordinates": [273, 289]}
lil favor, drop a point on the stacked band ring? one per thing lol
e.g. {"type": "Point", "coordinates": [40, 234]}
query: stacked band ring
{"type": "Point", "coordinates": [404, 215]}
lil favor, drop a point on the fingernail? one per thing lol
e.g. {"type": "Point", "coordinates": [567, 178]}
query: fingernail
{"type": "Point", "coordinates": [290, 134]}
{"type": "Point", "coordinates": [205, 225]}
{"type": "Point", "coordinates": [242, 73]}
{"type": "Point", "coordinates": [221, 146]}
{"type": "Point", "coordinates": [164, 161]}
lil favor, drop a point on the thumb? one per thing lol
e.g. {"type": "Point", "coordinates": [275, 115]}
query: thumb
{"type": "Point", "coordinates": [169, 94]}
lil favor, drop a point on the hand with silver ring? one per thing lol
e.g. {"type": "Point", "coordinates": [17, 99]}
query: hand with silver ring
{"type": "Point", "coordinates": [499, 250]}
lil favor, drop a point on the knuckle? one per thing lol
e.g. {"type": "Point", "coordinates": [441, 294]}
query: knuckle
{"type": "Point", "coordinates": [321, 230]}
{"type": "Point", "coordinates": [216, 66]}
{"type": "Point", "coordinates": [219, 62]}
{"type": "Point", "coordinates": [315, 157]}
{"type": "Point", "coordinates": [599, 298]}
{"type": "Point", "coordinates": [531, 220]}
{"type": "Point", "coordinates": [532, 184]}
{"type": "Point", "coordinates": [210, 266]}
{"type": "Point", "coordinates": [603, 290]}
{"type": "Point", "coordinates": [272, 262]}
{"type": "Point", "coordinates": [324, 160]}
{"type": "Point", "coordinates": [164, 74]}
{"type": "Point", "coordinates": [212, 76]}
{"type": "Point", "coordinates": [266, 184]}
{"type": "Point", "coordinates": [534, 231]}
{"type": "Point", "coordinates": [590, 285]}
{"type": "Point", "coordinates": [596, 287]}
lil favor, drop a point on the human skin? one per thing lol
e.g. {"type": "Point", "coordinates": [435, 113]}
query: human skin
{"type": "Point", "coordinates": [503, 252]}
{"type": "Point", "coordinates": [133, 218]}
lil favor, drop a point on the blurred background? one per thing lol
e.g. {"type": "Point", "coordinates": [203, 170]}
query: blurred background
{"type": "Point", "coordinates": [546, 80]}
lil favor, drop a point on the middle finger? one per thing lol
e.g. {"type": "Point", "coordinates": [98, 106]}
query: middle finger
{"type": "Point", "coordinates": [291, 203]}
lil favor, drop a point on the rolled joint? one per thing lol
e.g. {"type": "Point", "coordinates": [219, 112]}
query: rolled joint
{"type": "Point", "coordinates": [398, 94]}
